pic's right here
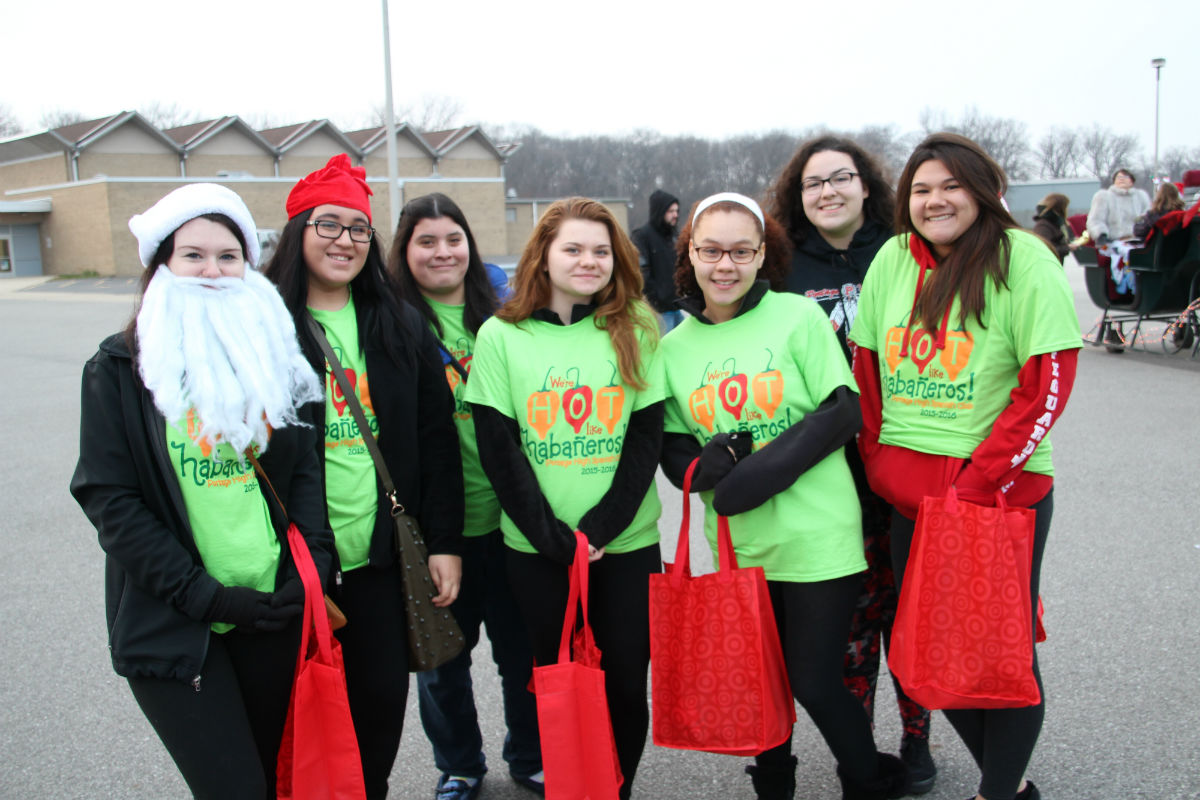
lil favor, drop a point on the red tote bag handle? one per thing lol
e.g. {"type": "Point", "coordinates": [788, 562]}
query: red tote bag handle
{"type": "Point", "coordinates": [316, 618]}
{"type": "Point", "coordinates": [726, 557]}
{"type": "Point", "coordinates": [587, 654]}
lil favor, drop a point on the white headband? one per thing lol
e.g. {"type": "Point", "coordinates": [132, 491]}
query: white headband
{"type": "Point", "coordinates": [730, 197]}
{"type": "Point", "coordinates": [185, 204]}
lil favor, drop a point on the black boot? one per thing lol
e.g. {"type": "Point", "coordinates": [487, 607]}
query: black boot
{"type": "Point", "coordinates": [914, 752]}
{"type": "Point", "coordinates": [774, 782]}
{"type": "Point", "coordinates": [890, 781]}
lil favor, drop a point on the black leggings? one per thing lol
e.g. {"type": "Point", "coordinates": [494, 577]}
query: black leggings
{"type": "Point", "coordinates": [375, 651]}
{"type": "Point", "coordinates": [1001, 740]}
{"type": "Point", "coordinates": [814, 621]}
{"type": "Point", "coordinates": [225, 738]}
{"type": "Point", "coordinates": [619, 612]}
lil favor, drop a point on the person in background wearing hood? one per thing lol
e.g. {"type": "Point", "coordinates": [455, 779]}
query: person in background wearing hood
{"type": "Point", "coordinates": [1050, 223]}
{"type": "Point", "coordinates": [964, 305]}
{"type": "Point", "coordinates": [203, 597]}
{"type": "Point", "coordinates": [655, 242]}
{"type": "Point", "coordinates": [1115, 209]}
{"type": "Point", "coordinates": [330, 270]}
{"type": "Point", "coordinates": [837, 205]}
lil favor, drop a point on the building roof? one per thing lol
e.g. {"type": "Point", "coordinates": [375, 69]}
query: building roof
{"type": "Point", "coordinates": [189, 137]}
{"type": "Point", "coordinates": [445, 141]}
{"type": "Point", "coordinates": [288, 136]}
{"type": "Point", "coordinates": [368, 139]}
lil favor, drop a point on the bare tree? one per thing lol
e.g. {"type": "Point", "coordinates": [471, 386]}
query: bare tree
{"type": "Point", "coordinates": [1058, 154]}
{"type": "Point", "coordinates": [1175, 161]}
{"type": "Point", "coordinates": [887, 144]}
{"type": "Point", "coordinates": [167, 115]}
{"type": "Point", "coordinates": [1104, 151]}
{"type": "Point", "coordinates": [1005, 139]}
{"type": "Point", "coordinates": [263, 120]}
{"type": "Point", "coordinates": [431, 112]}
{"type": "Point", "coordinates": [59, 117]}
{"type": "Point", "coordinates": [9, 124]}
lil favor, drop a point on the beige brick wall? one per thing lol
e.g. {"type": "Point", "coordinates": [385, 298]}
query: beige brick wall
{"type": "Point", "coordinates": [76, 235]}
{"type": "Point", "coordinates": [481, 203]}
{"type": "Point", "coordinates": [93, 163]}
{"type": "Point", "coordinates": [297, 166]}
{"type": "Point", "coordinates": [201, 164]}
{"type": "Point", "coordinates": [411, 167]}
{"type": "Point", "coordinates": [451, 167]}
{"type": "Point", "coordinates": [39, 172]}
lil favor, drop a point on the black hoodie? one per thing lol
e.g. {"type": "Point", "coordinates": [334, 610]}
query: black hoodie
{"type": "Point", "coordinates": [656, 246]}
{"type": "Point", "coordinates": [834, 277]}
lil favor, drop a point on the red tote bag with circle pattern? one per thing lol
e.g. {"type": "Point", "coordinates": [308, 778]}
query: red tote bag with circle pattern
{"type": "Point", "coordinates": [964, 631]}
{"type": "Point", "coordinates": [718, 679]}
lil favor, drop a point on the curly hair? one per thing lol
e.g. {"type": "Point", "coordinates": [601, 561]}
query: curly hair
{"type": "Point", "coordinates": [776, 260]}
{"type": "Point", "coordinates": [619, 306]}
{"type": "Point", "coordinates": [785, 199]}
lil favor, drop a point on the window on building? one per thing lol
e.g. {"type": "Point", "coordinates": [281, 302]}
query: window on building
{"type": "Point", "coordinates": [5, 254]}
{"type": "Point", "coordinates": [510, 215]}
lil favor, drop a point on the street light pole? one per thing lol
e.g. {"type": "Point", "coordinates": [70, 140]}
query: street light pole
{"type": "Point", "coordinates": [390, 125]}
{"type": "Point", "coordinates": [1158, 64]}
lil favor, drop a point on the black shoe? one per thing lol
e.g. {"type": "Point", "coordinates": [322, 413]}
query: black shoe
{"type": "Point", "coordinates": [1113, 341]}
{"type": "Point", "coordinates": [1031, 792]}
{"type": "Point", "coordinates": [922, 772]}
{"type": "Point", "coordinates": [774, 782]}
{"type": "Point", "coordinates": [890, 781]}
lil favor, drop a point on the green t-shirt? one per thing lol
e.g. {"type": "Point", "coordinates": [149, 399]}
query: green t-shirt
{"type": "Point", "coordinates": [350, 489]}
{"type": "Point", "coordinates": [562, 386]}
{"type": "Point", "coordinates": [230, 522]}
{"type": "Point", "coordinates": [763, 372]}
{"type": "Point", "coordinates": [944, 402]}
{"type": "Point", "coordinates": [482, 512]}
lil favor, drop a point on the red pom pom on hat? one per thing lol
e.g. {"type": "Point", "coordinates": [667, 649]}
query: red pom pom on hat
{"type": "Point", "coordinates": [337, 183]}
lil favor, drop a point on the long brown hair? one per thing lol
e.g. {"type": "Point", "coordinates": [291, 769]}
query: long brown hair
{"type": "Point", "coordinates": [1167, 199]}
{"type": "Point", "coordinates": [776, 261]}
{"type": "Point", "coordinates": [619, 307]}
{"type": "Point", "coordinates": [982, 251]}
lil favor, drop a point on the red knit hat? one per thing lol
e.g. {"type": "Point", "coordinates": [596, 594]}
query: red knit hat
{"type": "Point", "coordinates": [337, 183]}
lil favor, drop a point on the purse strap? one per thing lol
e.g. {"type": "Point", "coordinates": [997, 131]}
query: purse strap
{"type": "Point", "coordinates": [360, 417]}
{"type": "Point", "coordinates": [449, 358]}
{"type": "Point", "coordinates": [726, 557]}
{"type": "Point", "coordinates": [578, 594]}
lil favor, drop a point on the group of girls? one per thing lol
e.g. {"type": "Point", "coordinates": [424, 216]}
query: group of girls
{"type": "Point", "coordinates": [551, 413]}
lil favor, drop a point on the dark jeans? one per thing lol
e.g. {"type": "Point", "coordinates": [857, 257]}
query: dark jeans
{"type": "Point", "coordinates": [375, 651]}
{"type": "Point", "coordinates": [1001, 740]}
{"type": "Point", "coordinates": [445, 694]}
{"type": "Point", "coordinates": [813, 621]}
{"type": "Point", "coordinates": [225, 738]}
{"type": "Point", "coordinates": [871, 626]}
{"type": "Point", "coordinates": [619, 612]}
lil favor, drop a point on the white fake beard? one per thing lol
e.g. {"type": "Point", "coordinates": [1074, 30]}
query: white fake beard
{"type": "Point", "coordinates": [227, 348]}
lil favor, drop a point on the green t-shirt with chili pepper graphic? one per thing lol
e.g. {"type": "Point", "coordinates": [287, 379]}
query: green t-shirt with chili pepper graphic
{"type": "Point", "coordinates": [230, 522]}
{"type": "Point", "coordinates": [482, 507]}
{"type": "Point", "coordinates": [762, 372]}
{"type": "Point", "coordinates": [562, 386]}
{"type": "Point", "coordinates": [351, 491]}
{"type": "Point", "coordinates": [945, 401]}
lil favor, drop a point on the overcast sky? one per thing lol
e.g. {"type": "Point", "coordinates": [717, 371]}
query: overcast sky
{"type": "Point", "coordinates": [708, 68]}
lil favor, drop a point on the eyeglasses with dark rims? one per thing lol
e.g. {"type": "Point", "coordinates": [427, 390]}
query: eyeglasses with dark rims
{"type": "Point", "coordinates": [838, 180]}
{"type": "Point", "coordinates": [328, 229]}
{"type": "Point", "coordinates": [738, 255]}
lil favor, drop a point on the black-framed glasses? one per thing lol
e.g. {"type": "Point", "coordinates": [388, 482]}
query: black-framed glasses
{"type": "Point", "coordinates": [328, 229]}
{"type": "Point", "coordinates": [738, 255]}
{"type": "Point", "coordinates": [838, 180]}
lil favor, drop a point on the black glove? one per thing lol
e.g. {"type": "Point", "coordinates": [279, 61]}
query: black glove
{"type": "Point", "coordinates": [1103, 240]}
{"type": "Point", "coordinates": [286, 603]}
{"type": "Point", "coordinates": [251, 609]}
{"type": "Point", "coordinates": [719, 457]}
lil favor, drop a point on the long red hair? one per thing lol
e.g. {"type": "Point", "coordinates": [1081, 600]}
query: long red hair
{"type": "Point", "coordinates": [619, 307]}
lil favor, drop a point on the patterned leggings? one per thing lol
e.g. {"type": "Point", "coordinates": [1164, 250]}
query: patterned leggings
{"type": "Point", "coordinates": [871, 626]}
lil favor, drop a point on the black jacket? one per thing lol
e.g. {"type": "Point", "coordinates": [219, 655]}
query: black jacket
{"type": "Point", "coordinates": [656, 246]}
{"type": "Point", "coordinates": [156, 589]}
{"type": "Point", "coordinates": [417, 437]}
{"type": "Point", "coordinates": [834, 277]}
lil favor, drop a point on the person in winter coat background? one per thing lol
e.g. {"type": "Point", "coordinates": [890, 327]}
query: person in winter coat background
{"type": "Point", "coordinates": [1115, 209]}
{"type": "Point", "coordinates": [655, 242]}
{"type": "Point", "coordinates": [836, 205]}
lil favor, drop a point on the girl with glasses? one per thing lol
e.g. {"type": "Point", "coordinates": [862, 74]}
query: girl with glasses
{"type": "Point", "coordinates": [969, 306]}
{"type": "Point", "coordinates": [761, 393]}
{"type": "Point", "coordinates": [836, 203]}
{"type": "Point", "coordinates": [438, 269]}
{"type": "Point", "coordinates": [567, 395]}
{"type": "Point", "coordinates": [329, 267]}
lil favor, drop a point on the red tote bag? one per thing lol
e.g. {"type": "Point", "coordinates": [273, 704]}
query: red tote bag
{"type": "Point", "coordinates": [318, 757]}
{"type": "Point", "coordinates": [579, 755]}
{"type": "Point", "coordinates": [963, 635]}
{"type": "Point", "coordinates": [718, 679]}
